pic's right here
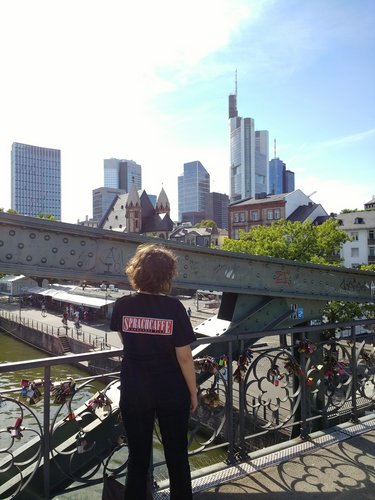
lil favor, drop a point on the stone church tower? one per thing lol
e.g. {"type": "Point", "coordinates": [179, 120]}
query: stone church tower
{"type": "Point", "coordinates": [133, 211]}
{"type": "Point", "coordinates": [162, 203]}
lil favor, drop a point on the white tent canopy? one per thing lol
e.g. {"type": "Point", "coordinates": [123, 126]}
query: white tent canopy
{"type": "Point", "coordinates": [82, 300]}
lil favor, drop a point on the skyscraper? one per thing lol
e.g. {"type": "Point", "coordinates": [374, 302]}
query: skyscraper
{"type": "Point", "coordinates": [193, 185]}
{"type": "Point", "coordinates": [276, 176]}
{"type": "Point", "coordinates": [248, 155]}
{"type": "Point", "coordinates": [217, 209]}
{"type": "Point", "coordinates": [35, 180]}
{"type": "Point", "coordinates": [280, 179]}
{"type": "Point", "coordinates": [288, 181]}
{"type": "Point", "coordinates": [121, 174]}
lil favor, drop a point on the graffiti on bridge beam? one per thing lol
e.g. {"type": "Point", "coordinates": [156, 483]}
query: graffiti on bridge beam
{"type": "Point", "coordinates": [354, 285]}
{"type": "Point", "coordinates": [114, 260]}
{"type": "Point", "coordinates": [282, 278]}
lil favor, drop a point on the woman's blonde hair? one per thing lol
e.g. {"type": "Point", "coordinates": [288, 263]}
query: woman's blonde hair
{"type": "Point", "coordinates": [152, 268]}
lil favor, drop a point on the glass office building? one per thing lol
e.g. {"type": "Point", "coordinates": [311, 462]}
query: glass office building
{"type": "Point", "coordinates": [248, 156]}
{"type": "Point", "coordinates": [121, 174]}
{"type": "Point", "coordinates": [280, 179]}
{"type": "Point", "coordinates": [193, 186]}
{"type": "Point", "coordinates": [35, 180]}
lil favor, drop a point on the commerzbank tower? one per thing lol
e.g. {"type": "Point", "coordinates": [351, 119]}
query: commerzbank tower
{"type": "Point", "coordinates": [248, 156]}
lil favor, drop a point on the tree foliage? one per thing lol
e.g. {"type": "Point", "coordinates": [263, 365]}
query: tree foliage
{"type": "Point", "coordinates": [207, 223]}
{"type": "Point", "coordinates": [46, 216]}
{"type": "Point", "coordinates": [301, 241]}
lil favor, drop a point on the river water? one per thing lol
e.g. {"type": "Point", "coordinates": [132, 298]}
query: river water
{"type": "Point", "coordinates": [12, 350]}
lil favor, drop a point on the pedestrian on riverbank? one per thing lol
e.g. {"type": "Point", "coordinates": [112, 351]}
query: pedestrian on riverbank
{"type": "Point", "coordinates": [157, 374]}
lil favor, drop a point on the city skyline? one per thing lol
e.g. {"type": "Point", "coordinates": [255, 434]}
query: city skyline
{"type": "Point", "coordinates": [305, 73]}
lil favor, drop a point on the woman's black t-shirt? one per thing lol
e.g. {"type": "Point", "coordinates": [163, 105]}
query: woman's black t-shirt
{"type": "Point", "coordinates": [152, 326]}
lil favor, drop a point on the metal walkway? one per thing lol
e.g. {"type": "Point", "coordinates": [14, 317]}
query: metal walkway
{"type": "Point", "coordinates": [338, 464]}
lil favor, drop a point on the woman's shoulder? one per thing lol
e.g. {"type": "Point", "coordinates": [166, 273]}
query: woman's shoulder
{"type": "Point", "coordinates": [125, 298]}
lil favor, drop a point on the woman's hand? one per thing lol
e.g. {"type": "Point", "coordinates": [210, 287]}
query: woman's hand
{"type": "Point", "coordinates": [193, 402]}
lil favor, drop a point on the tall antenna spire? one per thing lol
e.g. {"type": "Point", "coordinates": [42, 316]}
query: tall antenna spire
{"type": "Point", "coordinates": [233, 113]}
{"type": "Point", "coordinates": [274, 148]}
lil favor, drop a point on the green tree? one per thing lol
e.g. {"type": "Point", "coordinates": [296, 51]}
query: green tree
{"type": "Point", "coordinates": [207, 223]}
{"type": "Point", "coordinates": [12, 211]}
{"type": "Point", "coordinates": [301, 241]}
{"type": "Point", "coordinates": [46, 216]}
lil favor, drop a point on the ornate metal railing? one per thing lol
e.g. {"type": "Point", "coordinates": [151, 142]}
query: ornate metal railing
{"type": "Point", "coordinates": [255, 395]}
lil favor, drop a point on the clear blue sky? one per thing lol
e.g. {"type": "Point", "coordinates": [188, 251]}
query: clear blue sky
{"type": "Point", "coordinates": [149, 81]}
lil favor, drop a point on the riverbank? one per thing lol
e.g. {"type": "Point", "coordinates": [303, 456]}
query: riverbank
{"type": "Point", "coordinates": [96, 333]}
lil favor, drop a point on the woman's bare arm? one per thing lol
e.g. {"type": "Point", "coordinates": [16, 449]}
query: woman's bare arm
{"type": "Point", "coordinates": [185, 360]}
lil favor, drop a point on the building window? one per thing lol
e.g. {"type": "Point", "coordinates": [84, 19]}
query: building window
{"type": "Point", "coordinates": [354, 236]}
{"type": "Point", "coordinates": [371, 251]}
{"type": "Point", "coordinates": [269, 214]}
{"type": "Point", "coordinates": [277, 213]}
{"type": "Point", "coordinates": [235, 217]}
{"type": "Point", "coordinates": [371, 234]}
{"type": "Point", "coordinates": [355, 252]}
{"type": "Point", "coordinates": [242, 216]}
{"type": "Point", "coordinates": [255, 215]}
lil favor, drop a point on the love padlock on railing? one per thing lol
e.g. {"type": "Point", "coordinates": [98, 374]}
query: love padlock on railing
{"type": "Point", "coordinates": [15, 430]}
{"type": "Point", "coordinates": [81, 441]}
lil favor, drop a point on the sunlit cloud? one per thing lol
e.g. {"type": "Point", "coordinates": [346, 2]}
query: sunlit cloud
{"type": "Point", "coordinates": [350, 139]}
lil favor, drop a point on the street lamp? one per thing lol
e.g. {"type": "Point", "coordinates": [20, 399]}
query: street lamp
{"type": "Point", "coordinates": [20, 304]}
{"type": "Point", "coordinates": [105, 285]}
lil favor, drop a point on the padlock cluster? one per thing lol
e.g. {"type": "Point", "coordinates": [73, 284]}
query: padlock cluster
{"type": "Point", "coordinates": [211, 398]}
{"type": "Point", "coordinates": [207, 364]}
{"type": "Point", "coordinates": [30, 390]}
{"type": "Point", "coordinates": [61, 391]}
{"type": "Point", "coordinates": [368, 358]}
{"type": "Point", "coordinates": [243, 362]}
{"type": "Point", "coordinates": [307, 347]}
{"type": "Point", "coordinates": [332, 367]}
{"type": "Point", "coordinates": [293, 368]}
{"type": "Point", "coordinates": [100, 400]}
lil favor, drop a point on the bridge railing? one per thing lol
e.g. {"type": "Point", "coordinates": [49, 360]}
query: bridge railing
{"type": "Point", "coordinates": [285, 385]}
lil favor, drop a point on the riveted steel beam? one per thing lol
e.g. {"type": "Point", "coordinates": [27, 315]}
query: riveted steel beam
{"type": "Point", "coordinates": [56, 250]}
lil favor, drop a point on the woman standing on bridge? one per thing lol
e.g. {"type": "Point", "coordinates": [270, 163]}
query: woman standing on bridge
{"type": "Point", "coordinates": [157, 375]}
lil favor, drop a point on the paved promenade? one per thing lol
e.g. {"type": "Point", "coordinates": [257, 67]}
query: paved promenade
{"type": "Point", "coordinates": [99, 328]}
{"type": "Point", "coordinates": [337, 464]}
